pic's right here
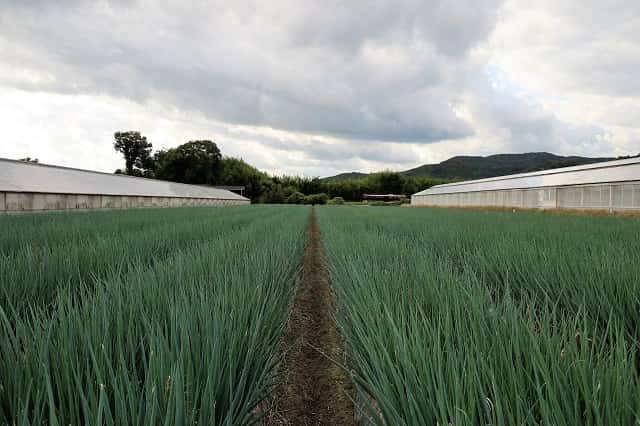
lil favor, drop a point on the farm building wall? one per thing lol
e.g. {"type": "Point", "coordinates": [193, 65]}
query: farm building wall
{"type": "Point", "coordinates": [615, 196]}
{"type": "Point", "coordinates": [611, 185]}
{"type": "Point", "coordinates": [42, 187]}
{"type": "Point", "coordinates": [16, 201]}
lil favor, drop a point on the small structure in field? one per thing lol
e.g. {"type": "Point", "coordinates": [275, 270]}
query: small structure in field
{"type": "Point", "coordinates": [238, 189]}
{"type": "Point", "coordinates": [383, 197]}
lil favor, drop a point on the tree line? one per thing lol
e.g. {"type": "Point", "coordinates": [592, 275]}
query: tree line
{"type": "Point", "coordinates": [200, 162]}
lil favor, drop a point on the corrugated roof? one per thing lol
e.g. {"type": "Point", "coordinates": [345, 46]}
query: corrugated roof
{"type": "Point", "coordinates": [608, 171]}
{"type": "Point", "coordinates": [19, 176]}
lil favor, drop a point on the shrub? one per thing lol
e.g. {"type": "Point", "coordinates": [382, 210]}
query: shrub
{"type": "Point", "coordinates": [296, 198]}
{"type": "Point", "coordinates": [336, 200]}
{"type": "Point", "coordinates": [321, 198]}
{"type": "Point", "coordinates": [384, 203]}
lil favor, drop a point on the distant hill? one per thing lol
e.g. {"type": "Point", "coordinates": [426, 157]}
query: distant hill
{"type": "Point", "coordinates": [474, 167]}
{"type": "Point", "coordinates": [346, 176]}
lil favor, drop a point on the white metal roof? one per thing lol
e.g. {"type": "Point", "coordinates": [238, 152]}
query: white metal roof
{"type": "Point", "coordinates": [19, 176]}
{"type": "Point", "coordinates": [605, 172]}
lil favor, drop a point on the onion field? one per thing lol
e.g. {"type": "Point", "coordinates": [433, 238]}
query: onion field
{"type": "Point", "coordinates": [442, 317]}
{"type": "Point", "coordinates": [468, 318]}
{"type": "Point", "coordinates": [165, 316]}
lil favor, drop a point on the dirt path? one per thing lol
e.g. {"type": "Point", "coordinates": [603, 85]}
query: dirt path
{"type": "Point", "coordinates": [312, 389]}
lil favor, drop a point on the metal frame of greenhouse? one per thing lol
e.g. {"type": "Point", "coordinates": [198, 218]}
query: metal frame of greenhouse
{"type": "Point", "coordinates": [28, 186]}
{"type": "Point", "coordinates": [610, 185]}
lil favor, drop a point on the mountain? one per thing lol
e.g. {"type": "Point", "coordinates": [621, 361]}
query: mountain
{"type": "Point", "coordinates": [346, 176]}
{"type": "Point", "coordinates": [475, 167]}
{"type": "Point", "coordinates": [468, 167]}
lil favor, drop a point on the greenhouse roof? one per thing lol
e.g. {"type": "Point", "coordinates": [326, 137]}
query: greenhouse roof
{"type": "Point", "coordinates": [606, 172]}
{"type": "Point", "coordinates": [20, 176]}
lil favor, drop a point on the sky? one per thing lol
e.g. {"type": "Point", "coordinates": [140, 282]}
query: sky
{"type": "Point", "coordinates": [320, 87]}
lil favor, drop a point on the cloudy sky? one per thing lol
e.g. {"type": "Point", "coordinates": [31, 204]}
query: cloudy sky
{"type": "Point", "coordinates": [317, 87]}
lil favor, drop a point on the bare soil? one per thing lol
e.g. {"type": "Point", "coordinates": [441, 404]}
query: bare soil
{"type": "Point", "coordinates": [554, 211]}
{"type": "Point", "coordinates": [312, 390]}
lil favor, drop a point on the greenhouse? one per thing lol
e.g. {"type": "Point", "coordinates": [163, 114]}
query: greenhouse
{"type": "Point", "coordinates": [611, 185]}
{"type": "Point", "coordinates": [32, 186]}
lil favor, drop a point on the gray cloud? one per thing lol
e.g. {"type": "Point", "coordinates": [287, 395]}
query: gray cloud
{"type": "Point", "coordinates": [369, 71]}
{"type": "Point", "coordinates": [384, 80]}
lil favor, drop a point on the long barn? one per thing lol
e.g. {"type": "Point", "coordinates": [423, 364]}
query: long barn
{"type": "Point", "coordinates": [31, 187]}
{"type": "Point", "coordinates": [611, 185]}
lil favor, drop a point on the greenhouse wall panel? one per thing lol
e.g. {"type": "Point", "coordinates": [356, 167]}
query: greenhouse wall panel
{"type": "Point", "coordinates": [71, 202]}
{"type": "Point", "coordinates": [19, 201]}
{"type": "Point", "coordinates": [129, 202]}
{"type": "Point", "coordinates": [15, 201]}
{"type": "Point", "coordinates": [95, 201]}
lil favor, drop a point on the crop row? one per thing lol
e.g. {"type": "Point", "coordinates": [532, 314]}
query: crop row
{"type": "Point", "coordinates": [145, 317]}
{"type": "Point", "coordinates": [457, 317]}
{"type": "Point", "coordinates": [44, 252]}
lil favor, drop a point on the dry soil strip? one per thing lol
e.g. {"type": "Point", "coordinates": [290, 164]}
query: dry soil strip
{"type": "Point", "coordinates": [551, 211]}
{"type": "Point", "coordinates": [313, 390]}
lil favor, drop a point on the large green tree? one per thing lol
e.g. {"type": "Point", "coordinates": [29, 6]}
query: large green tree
{"type": "Point", "coordinates": [136, 151]}
{"type": "Point", "coordinates": [201, 162]}
{"type": "Point", "coordinates": [196, 162]}
{"type": "Point", "coordinates": [235, 171]}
